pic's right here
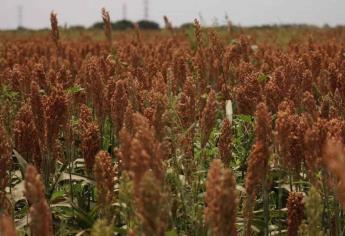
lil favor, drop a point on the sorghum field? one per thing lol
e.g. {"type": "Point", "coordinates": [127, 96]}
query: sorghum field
{"type": "Point", "coordinates": [201, 131]}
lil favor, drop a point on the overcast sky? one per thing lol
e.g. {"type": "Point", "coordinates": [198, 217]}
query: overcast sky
{"type": "Point", "coordinates": [244, 12]}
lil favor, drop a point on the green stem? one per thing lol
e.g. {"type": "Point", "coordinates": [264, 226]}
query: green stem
{"type": "Point", "coordinates": [291, 181]}
{"type": "Point", "coordinates": [70, 170]}
{"type": "Point", "coordinates": [326, 204]}
{"type": "Point", "coordinates": [46, 165]}
{"type": "Point", "coordinates": [266, 208]}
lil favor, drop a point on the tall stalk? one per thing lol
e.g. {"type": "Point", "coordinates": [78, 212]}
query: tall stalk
{"type": "Point", "coordinates": [266, 208]}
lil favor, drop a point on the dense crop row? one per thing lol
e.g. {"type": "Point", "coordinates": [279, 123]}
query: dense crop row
{"type": "Point", "coordinates": [172, 133]}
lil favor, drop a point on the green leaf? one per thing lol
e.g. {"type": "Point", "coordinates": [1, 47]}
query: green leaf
{"type": "Point", "coordinates": [171, 233]}
{"type": "Point", "coordinates": [17, 192]}
{"type": "Point", "coordinates": [7, 94]}
{"type": "Point", "coordinates": [240, 188]}
{"type": "Point", "coordinates": [21, 161]}
{"type": "Point", "coordinates": [84, 217]}
{"type": "Point", "coordinates": [245, 118]}
{"type": "Point", "coordinates": [234, 42]}
{"type": "Point", "coordinates": [22, 222]}
{"type": "Point", "coordinates": [74, 89]}
{"type": "Point", "coordinates": [66, 176]}
{"type": "Point", "coordinates": [56, 196]}
{"type": "Point", "coordinates": [263, 78]}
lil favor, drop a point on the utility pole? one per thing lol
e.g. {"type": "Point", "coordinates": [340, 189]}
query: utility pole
{"type": "Point", "coordinates": [20, 16]}
{"type": "Point", "coordinates": [124, 11]}
{"type": "Point", "coordinates": [146, 9]}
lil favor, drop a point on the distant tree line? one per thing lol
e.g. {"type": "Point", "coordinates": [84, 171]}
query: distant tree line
{"type": "Point", "coordinates": [122, 25]}
{"type": "Point", "coordinates": [127, 25]}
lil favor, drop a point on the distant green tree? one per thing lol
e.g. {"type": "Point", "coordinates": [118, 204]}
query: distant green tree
{"type": "Point", "coordinates": [97, 25]}
{"type": "Point", "coordinates": [118, 25]}
{"type": "Point", "coordinates": [122, 25]}
{"type": "Point", "coordinates": [76, 27]}
{"type": "Point", "coordinates": [148, 25]}
{"type": "Point", "coordinates": [187, 25]}
{"type": "Point", "coordinates": [21, 28]}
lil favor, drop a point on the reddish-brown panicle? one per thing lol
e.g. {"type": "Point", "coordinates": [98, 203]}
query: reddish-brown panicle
{"type": "Point", "coordinates": [26, 139]}
{"type": "Point", "coordinates": [89, 137]}
{"type": "Point", "coordinates": [5, 160]}
{"type": "Point", "coordinates": [295, 206]}
{"type": "Point", "coordinates": [54, 28]}
{"type": "Point", "coordinates": [107, 25]}
{"type": "Point", "coordinates": [105, 176]}
{"type": "Point", "coordinates": [39, 113]}
{"type": "Point", "coordinates": [56, 114]}
{"type": "Point", "coordinates": [119, 102]}
{"type": "Point", "coordinates": [208, 118]}
{"type": "Point", "coordinates": [224, 143]}
{"type": "Point", "coordinates": [41, 217]}
{"type": "Point", "coordinates": [221, 200]}
{"type": "Point", "coordinates": [186, 107]}
{"type": "Point", "coordinates": [6, 226]}
{"type": "Point", "coordinates": [146, 151]}
{"type": "Point", "coordinates": [334, 160]}
{"type": "Point", "coordinates": [258, 161]}
{"type": "Point", "coordinates": [152, 206]}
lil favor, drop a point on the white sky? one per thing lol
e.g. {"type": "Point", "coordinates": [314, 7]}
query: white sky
{"type": "Point", "coordinates": [244, 12]}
